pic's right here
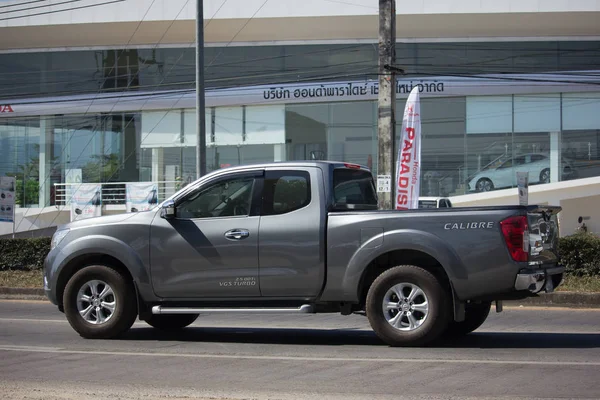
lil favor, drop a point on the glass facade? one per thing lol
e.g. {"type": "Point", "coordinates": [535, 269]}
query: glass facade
{"type": "Point", "coordinates": [471, 142]}
{"type": "Point", "coordinates": [24, 75]}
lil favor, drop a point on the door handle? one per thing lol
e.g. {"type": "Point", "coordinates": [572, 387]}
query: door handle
{"type": "Point", "coordinates": [237, 234]}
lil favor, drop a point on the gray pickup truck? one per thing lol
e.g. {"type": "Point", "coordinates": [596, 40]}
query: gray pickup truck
{"type": "Point", "coordinates": [302, 237]}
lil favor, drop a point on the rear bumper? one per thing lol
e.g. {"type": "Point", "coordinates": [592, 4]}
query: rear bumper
{"type": "Point", "coordinates": [535, 281]}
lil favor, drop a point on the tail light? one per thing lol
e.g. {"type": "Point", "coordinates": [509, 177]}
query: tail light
{"type": "Point", "coordinates": [352, 166]}
{"type": "Point", "coordinates": [516, 235]}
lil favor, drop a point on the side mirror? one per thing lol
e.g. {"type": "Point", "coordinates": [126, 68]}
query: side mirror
{"type": "Point", "coordinates": [168, 210]}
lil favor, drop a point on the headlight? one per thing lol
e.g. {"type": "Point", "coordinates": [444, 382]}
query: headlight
{"type": "Point", "coordinates": [58, 237]}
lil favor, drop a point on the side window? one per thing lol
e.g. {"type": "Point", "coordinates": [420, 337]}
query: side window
{"type": "Point", "coordinates": [537, 157]}
{"type": "Point", "coordinates": [520, 160]}
{"type": "Point", "coordinates": [285, 191]}
{"type": "Point", "coordinates": [353, 187]}
{"type": "Point", "coordinates": [226, 198]}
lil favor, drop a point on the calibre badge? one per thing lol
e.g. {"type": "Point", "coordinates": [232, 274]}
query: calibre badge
{"type": "Point", "coordinates": [468, 225]}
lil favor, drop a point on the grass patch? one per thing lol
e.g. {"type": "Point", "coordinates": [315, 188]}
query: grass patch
{"type": "Point", "coordinates": [33, 279]}
{"type": "Point", "coordinates": [580, 284]}
{"type": "Point", "coordinates": [22, 279]}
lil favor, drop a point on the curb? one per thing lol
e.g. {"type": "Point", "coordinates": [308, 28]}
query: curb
{"type": "Point", "coordinates": [9, 293]}
{"type": "Point", "coordinates": [560, 299]}
{"type": "Point", "coordinates": [556, 299]}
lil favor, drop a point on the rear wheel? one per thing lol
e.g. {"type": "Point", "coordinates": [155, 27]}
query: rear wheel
{"type": "Point", "coordinates": [171, 322]}
{"type": "Point", "coordinates": [475, 316]}
{"type": "Point", "coordinates": [100, 302]}
{"type": "Point", "coordinates": [545, 175]}
{"type": "Point", "coordinates": [407, 306]}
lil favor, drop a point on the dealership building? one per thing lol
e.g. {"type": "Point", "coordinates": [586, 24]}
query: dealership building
{"type": "Point", "coordinates": [103, 92]}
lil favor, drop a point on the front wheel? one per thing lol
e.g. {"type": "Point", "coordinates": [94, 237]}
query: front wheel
{"type": "Point", "coordinates": [172, 322]}
{"type": "Point", "coordinates": [484, 185]}
{"type": "Point", "coordinates": [407, 306]}
{"type": "Point", "coordinates": [100, 302]}
{"type": "Point", "coordinates": [475, 316]}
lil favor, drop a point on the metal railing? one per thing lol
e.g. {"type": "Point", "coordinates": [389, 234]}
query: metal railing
{"type": "Point", "coordinates": [113, 193]}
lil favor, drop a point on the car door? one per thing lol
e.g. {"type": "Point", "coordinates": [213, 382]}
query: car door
{"type": "Point", "coordinates": [502, 177]}
{"type": "Point", "coordinates": [292, 234]}
{"type": "Point", "coordinates": [210, 247]}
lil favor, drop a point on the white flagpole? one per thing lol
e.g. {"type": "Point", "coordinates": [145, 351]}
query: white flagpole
{"type": "Point", "coordinates": [408, 164]}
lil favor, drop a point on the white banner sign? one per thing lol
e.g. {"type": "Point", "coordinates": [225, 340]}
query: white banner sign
{"type": "Point", "coordinates": [303, 92]}
{"type": "Point", "coordinates": [86, 201]}
{"type": "Point", "coordinates": [7, 199]}
{"type": "Point", "coordinates": [408, 164]}
{"type": "Point", "coordinates": [141, 196]}
{"type": "Point", "coordinates": [523, 187]}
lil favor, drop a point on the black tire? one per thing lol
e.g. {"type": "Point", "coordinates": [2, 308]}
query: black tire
{"type": "Point", "coordinates": [125, 308]}
{"type": "Point", "coordinates": [484, 185]}
{"type": "Point", "coordinates": [475, 316]}
{"type": "Point", "coordinates": [438, 314]}
{"type": "Point", "coordinates": [545, 175]}
{"type": "Point", "coordinates": [173, 322]}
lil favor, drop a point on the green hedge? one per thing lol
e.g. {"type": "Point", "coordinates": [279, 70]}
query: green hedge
{"type": "Point", "coordinates": [580, 254]}
{"type": "Point", "coordinates": [23, 254]}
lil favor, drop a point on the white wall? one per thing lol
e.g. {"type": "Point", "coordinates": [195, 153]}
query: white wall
{"type": "Point", "coordinates": [167, 10]}
{"type": "Point", "coordinates": [582, 207]}
{"type": "Point", "coordinates": [579, 197]}
{"type": "Point", "coordinates": [248, 21]}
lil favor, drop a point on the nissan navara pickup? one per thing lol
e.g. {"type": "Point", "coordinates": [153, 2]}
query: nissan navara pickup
{"type": "Point", "coordinates": [301, 237]}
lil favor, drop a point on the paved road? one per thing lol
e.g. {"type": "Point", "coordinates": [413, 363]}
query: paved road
{"type": "Point", "coordinates": [521, 353]}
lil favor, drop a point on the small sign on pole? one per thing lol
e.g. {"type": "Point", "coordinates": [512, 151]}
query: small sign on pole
{"type": "Point", "coordinates": [523, 187]}
{"type": "Point", "coordinates": [384, 183]}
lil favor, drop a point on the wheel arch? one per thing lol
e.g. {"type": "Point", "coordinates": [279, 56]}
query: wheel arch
{"type": "Point", "coordinates": [394, 258]}
{"type": "Point", "coordinates": [99, 250]}
{"type": "Point", "coordinates": [81, 261]}
{"type": "Point", "coordinates": [402, 247]}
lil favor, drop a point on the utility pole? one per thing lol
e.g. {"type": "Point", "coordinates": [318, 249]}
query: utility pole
{"type": "Point", "coordinates": [200, 101]}
{"type": "Point", "coordinates": [386, 104]}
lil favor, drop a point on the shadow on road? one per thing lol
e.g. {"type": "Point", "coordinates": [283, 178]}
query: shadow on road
{"type": "Point", "coordinates": [341, 337]}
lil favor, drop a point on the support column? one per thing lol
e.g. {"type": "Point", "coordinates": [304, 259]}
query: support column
{"type": "Point", "coordinates": [157, 164]}
{"type": "Point", "coordinates": [130, 150]}
{"type": "Point", "coordinates": [555, 157]}
{"type": "Point", "coordinates": [279, 152]}
{"type": "Point", "coordinates": [45, 163]}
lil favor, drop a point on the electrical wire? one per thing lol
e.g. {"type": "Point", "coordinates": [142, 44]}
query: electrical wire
{"type": "Point", "coordinates": [232, 41]}
{"type": "Point", "coordinates": [42, 6]}
{"type": "Point", "coordinates": [22, 4]}
{"type": "Point", "coordinates": [63, 10]}
{"type": "Point", "coordinates": [237, 33]}
{"type": "Point", "coordinates": [125, 127]}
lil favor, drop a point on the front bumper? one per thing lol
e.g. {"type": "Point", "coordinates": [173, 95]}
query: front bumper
{"type": "Point", "coordinates": [50, 294]}
{"type": "Point", "coordinates": [535, 281]}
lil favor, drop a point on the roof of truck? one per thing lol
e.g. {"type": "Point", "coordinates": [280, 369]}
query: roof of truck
{"type": "Point", "coordinates": [299, 163]}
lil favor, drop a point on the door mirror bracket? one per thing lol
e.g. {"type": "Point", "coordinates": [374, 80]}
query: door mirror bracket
{"type": "Point", "coordinates": [167, 210]}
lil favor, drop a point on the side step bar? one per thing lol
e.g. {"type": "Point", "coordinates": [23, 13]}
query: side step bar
{"type": "Point", "coordinates": [304, 309]}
